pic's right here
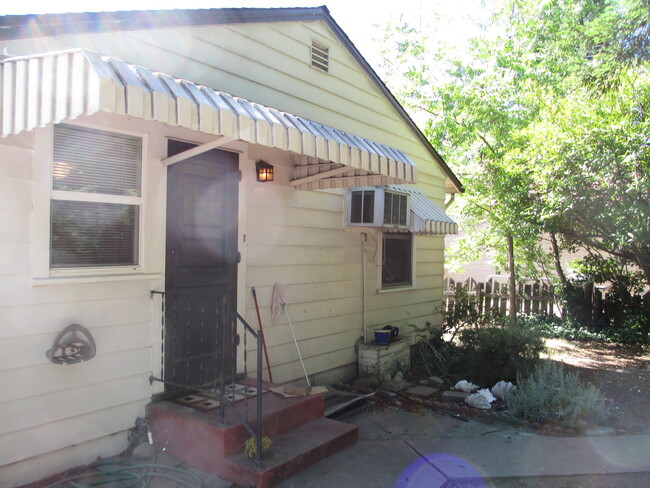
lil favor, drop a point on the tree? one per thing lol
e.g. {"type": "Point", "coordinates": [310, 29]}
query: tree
{"type": "Point", "coordinates": [545, 121]}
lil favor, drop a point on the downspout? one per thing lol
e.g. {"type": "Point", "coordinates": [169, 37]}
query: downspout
{"type": "Point", "coordinates": [364, 241]}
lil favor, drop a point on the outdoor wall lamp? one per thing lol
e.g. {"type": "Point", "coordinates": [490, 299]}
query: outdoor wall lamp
{"type": "Point", "coordinates": [264, 171]}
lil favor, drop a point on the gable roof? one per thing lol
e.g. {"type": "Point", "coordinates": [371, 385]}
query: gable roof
{"type": "Point", "coordinates": [30, 26]}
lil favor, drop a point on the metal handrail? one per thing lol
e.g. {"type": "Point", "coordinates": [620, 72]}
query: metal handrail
{"type": "Point", "coordinates": [223, 312]}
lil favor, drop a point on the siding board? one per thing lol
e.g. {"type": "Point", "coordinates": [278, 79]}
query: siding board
{"type": "Point", "coordinates": [48, 378]}
{"type": "Point", "coordinates": [53, 317]}
{"type": "Point", "coordinates": [266, 234]}
{"type": "Point", "coordinates": [17, 291]}
{"type": "Point", "coordinates": [46, 438]}
{"type": "Point", "coordinates": [29, 350]}
{"type": "Point", "coordinates": [27, 413]}
{"type": "Point", "coordinates": [16, 163]}
{"type": "Point", "coordinates": [298, 254]}
{"type": "Point", "coordinates": [63, 459]}
{"type": "Point", "coordinates": [14, 259]}
{"type": "Point", "coordinates": [15, 227]}
{"type": "Point", "coordinates": [308, 293]}
{"type": "Point", "coordinates": [15, 195]}
{"type": "Point", "coordinates": [297, 274]}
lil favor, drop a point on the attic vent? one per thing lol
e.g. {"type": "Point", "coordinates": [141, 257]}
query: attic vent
{"type": "Point", "coordinates": [320, 56]}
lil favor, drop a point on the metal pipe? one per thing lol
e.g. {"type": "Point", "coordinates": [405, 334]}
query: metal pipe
{"type": "Point", "coordinates": [258, 433]}
{"type": "Point", "coordinates": [222, 321]}
{"type": "Point", "coordinates": [364, 241]}
{"type": "Point", "coordinates": [259, 320]}
{"type": "Point", "coordinates": [302, 363]}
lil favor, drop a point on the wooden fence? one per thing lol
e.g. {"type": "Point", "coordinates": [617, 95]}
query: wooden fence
{"type": "Point", "coordinates": [532, 298]}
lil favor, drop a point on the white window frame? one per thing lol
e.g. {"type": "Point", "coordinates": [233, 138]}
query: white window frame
{"type": "Point", "coordinates": [42, 272]}
{"type": "Point", "coordinates": [378, 212]}
{"type": "Point", "coordinates": [380, 272]}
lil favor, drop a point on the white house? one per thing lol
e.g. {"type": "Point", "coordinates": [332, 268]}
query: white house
{"type": "Point", "coordinates": [129, 150]}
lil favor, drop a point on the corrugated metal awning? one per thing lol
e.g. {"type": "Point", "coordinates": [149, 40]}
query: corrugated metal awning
{"type": "Point", "coordinates": [426, 217]}
{"type": "Point", "coordinates": [49, 88]}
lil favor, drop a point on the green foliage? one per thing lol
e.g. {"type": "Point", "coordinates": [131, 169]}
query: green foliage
{"type": "Point", "coordinates": [635, 330]}
{"type": "Point", "coordinates": [443, 360]}
{"type": "Point", "coordinates": [550, 395]}
{"type": "Point", "coordinates": [622, 308]}
{"type": "Point", "coordinates": [500, 353]}
{"type": "Point", "coordinates": [461, 312]}
{"type": "Point", "coordinates": [546, 122]}
{"type": "Point", "coordinates": [478, 347]}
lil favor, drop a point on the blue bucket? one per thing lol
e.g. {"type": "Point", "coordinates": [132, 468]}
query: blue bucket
{"type": "Point", "coordinates": [382, 337]}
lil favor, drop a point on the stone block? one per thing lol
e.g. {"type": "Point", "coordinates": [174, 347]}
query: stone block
{"type": "Point", "coordinates": [381, 361]}
{"type": "Point", "coordinates": [455, 396]}
{"type": "Point", "coordinates": [436, 381]}
{"type": "Point", "coordinates": [421, 391]}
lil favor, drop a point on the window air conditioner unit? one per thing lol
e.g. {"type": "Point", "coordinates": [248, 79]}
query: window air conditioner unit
{"type": "Point", "coordinates": [378, 207]}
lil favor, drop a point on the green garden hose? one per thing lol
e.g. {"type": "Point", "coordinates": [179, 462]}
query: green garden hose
{"type": "Point", "coordinates": [131, 475]}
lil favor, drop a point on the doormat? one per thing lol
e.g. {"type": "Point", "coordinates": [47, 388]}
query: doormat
{"type": "Point", "coordinates": [206, 401]}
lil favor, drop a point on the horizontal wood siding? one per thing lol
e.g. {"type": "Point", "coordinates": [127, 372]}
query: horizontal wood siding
{"type": "Point", "coordinates": [47, 408]}
{"type": "Point", "coordinates": [300, 239]}
{"type": "Point", "coordinates": [297, 237]}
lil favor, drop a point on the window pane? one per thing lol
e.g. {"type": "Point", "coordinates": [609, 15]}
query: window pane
{"type": "Point", "coordinates": [356, 207]}
{"type": "Point", "coordinates": [362, 208]}
{"type": "Point", "coordinates": [368, 207]}
{"type": "Point", "coordinates": [395, 208]}
{"type": "Point", "coordinates": [93, 234]}
{"type": "Point", "coordinates": [96, 161]}
{"type": "Point", "coordinates": [396, 267]}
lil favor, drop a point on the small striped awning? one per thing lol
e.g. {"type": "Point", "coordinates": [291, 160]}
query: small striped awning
{"type": "Point", "coordinates": [49, 88]}
{"type": "Point", "coordinates": [427, 218]}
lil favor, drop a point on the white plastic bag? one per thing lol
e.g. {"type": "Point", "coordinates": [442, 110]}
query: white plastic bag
{"type": "Point", "coordinates": [466, 386]}
{"type": "Point", "coordinates": [477, 400]}
{"type": "Point", "coordinates": [486, 393]}
{"type": "Point", "coordinates": [502, 388]}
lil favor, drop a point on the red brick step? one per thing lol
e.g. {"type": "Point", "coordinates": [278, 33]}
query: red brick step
{"type": "Point", "coordinates": [299, 433]}
{"type": "Point", "coordinates": [291, 452]}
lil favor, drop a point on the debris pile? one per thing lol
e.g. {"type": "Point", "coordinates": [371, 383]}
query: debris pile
{"type": "Point", "coordinates": [433, 392]}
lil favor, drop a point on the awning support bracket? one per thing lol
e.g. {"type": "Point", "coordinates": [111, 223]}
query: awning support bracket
{"type": "Point", "coordinates": [320, 176]}
{"type": "Point", "coordinates": [195, 151]}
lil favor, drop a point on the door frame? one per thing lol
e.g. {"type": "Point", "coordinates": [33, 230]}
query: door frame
{"type": "Point", "coordinates": [237, 292]}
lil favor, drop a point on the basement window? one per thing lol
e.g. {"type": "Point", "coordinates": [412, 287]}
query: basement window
{"type": "Point", "coordinates": [320, 57]}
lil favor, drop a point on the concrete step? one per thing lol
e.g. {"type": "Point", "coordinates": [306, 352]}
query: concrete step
{"type": "Point", "coordinates": [291, 452]}
{"type": "Point", "coordinates": [179, 428]}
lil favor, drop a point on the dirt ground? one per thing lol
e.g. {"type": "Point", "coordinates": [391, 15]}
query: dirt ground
{"type": "Point", "coordinates": [622, 374]}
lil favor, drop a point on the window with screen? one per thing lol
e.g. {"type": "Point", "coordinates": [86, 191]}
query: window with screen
{"type": "Point", "coordinates": [397, 262]}
{"type": "Point", "coordinates": [96, 198]}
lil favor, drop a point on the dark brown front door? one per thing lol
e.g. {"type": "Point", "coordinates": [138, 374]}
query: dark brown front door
{"type": "Point", "coordinates": [202, 195]}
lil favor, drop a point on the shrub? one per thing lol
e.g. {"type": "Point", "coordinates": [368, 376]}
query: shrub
{"type": "Point", "coordinates": [550, 395]}
{"type": "Point", "coordinates": [635, 330]}
{"type": "Point", "coordinates": [442, 359]}
{"type": "Point", "coordinates": [492, 354]}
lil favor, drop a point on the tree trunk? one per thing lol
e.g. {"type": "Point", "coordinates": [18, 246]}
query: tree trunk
{"type": "Point", "coordinates": [556, 259]}
{"type": "Point", "coordinates": [513, 281]}
{"type": "Point", "coordinates": [643, 262]}
{"type": "Point", "coordinates": [560, 273]}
